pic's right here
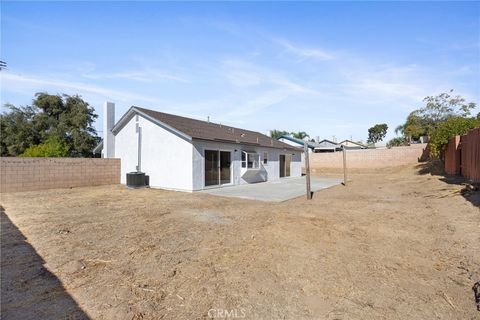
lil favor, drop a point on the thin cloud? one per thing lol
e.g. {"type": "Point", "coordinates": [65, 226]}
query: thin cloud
{"type": "Point", "coordinates": [304, 52]}
{"type": "Point", "coordinates": [30, 83]}
{"type": "Point", "coordinates": [141, 76]}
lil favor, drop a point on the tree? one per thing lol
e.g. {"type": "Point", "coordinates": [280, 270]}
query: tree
{"type": "Point", "coordinates": [53, 147]}
{"type": "Point", "coordinates": [18, 130]}
{"type": "Point", "coordinates": [68, 119]}
{"type": "Point", "coordinates": [275, 134]}
{"type": "Point", "coordinates": [300, 135]}
{"type": "Point", "coordinates": [377, 133]}
{"type": "Point", "coordinates": [437, 109]}
{"type": "Point", "coordinates": [448, 129]}
{"type": "Point", "coordinates": [397, 142]}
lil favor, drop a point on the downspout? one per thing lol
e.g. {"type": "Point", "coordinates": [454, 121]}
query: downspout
{"type": "Point", "coordinates": [139, 146]}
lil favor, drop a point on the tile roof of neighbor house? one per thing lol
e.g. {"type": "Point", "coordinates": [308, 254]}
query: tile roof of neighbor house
{"type": "Point", "coordinates": [310, 144]}
{"type": "Point", "coordinates": [205, 130]}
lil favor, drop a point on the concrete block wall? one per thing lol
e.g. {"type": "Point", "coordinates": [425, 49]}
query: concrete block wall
{"type": "Point", "coordinates": [368, 158]}
{"type": "Point", "coordinates": [28, 174]}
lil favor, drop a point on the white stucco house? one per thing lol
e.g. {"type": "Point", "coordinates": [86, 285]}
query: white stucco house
{"type": "Point", "coordinates": [186, 154]}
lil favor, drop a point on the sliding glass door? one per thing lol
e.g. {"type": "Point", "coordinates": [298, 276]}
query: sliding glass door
{"type": "Point", "coordinates": [217, 167]}
{"type": "Point", "coordinates": [211, 168]}
{"type": "Point", "coordinates": [225, 167]}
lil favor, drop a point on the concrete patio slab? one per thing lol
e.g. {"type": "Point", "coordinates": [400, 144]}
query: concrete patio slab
{"type": "Point", "coordinates": [276, 191]}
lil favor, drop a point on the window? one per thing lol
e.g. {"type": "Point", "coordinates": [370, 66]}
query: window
{"type": "Point", "coordinates": [265, 157]}
{"type": "Point", "coordinates": [250, 160]}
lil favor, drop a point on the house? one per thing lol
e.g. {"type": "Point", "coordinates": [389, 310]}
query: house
{"type": "Point", "coordinates": [352, 145]}
{"type": "Point", "coordinates": [327, 146]}
{"type": "Point", "coordinates": [299, 143]}
{"type": "Point", "coordinates": [185, 154]}
{"type": "Point", "coordinates": [377, 145]}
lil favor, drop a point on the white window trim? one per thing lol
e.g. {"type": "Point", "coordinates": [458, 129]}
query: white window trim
{"type": "Point", "coordinates": [245, 162]}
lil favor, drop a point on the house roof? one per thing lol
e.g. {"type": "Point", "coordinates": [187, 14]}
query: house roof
{"type": "Point", "coordinates": [353, 142]}
{"type": "Point", "coordinates": [326, 144]}
{"type": "Point", "coordinates": [204, 130]}
{"type": "Point", "coordinates": [311, 145]}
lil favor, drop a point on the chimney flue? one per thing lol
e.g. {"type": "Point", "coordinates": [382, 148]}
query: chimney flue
{"type": "Point", "coordinates": [108, 123]}
{"type": "Point", "coordinates": [208, 118]}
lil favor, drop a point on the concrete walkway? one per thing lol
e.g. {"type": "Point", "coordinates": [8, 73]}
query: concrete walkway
{"type": "Point", "coordinates": [276, 191]}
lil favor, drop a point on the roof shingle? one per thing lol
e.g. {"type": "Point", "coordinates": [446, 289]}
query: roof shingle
{"type": "Point", "coordinates": [204, 130]}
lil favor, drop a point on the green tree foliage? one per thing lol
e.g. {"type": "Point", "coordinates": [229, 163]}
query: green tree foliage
{"type": "Point", "coordinates": [18, 130]}
{"type": "Point", "coordinates": [377, 133]}
{"type": "Point", "coordinates": [449, 128]}
{"type": "Point", "coordinates": [300, 135]}
{"type": "Point", "coordinates": [68, 119]}
{"type": "Point", "coordinates": [397, 142]}
{"type": "Point", "coordinates": [437, 109]}
{"type": "Point", "coordinates": [275, 134]}
{"type": "Point", "coordinates": [414, 127]}
{"type": "Point", "coordinates": [53, 147]}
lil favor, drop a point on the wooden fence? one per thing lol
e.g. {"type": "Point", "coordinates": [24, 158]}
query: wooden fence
{"type": "Point", "coordinates": [462, 155]}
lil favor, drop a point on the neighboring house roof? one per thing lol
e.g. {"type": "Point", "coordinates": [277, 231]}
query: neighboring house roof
{"type": "Point", "coordinates": [326, 142]}
{"type": "Point", "coordinates": [203, 130]}
{"type": "Point", "coordinates": [328, 145]}
{"type": "Point", "coordinates": [344, 142]}
{"type": "Point", "coordinates": [301, 142]}
{"type": "Point", "coordinates": [377, 145]}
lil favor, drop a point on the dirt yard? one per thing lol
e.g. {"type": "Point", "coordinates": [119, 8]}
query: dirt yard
{"type": "Point", "coordinates": [392, 244]}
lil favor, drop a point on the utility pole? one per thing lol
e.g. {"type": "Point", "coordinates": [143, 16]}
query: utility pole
{"type": "Point", "coordinates": [307, 170]}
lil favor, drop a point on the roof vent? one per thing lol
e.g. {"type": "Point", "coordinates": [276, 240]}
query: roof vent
{"type": "Point", "coordinates": [242, 135]}
{"type": "Point", "coordinates": [208, 118]}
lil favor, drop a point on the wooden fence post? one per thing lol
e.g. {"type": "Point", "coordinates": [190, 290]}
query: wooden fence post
{"type": "Point", "coordinates": [307, 171]}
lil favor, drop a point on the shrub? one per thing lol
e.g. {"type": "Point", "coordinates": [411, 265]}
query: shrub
{"type": "Point", "coordinates": [50, 148]}
{"type": "Point", "coordinates": [448, 129]}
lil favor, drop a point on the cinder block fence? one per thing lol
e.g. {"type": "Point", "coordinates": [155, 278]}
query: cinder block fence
{"type": "Point", "coordinates": [28, 174]}
{"type": "Point", "coordinates": [369, 158]}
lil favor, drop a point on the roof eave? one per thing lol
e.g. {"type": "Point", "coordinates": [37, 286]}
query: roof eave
{"type": "Point", "coordinates": [134, 110]}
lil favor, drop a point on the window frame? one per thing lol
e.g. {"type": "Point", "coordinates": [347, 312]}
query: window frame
{"type": "Point", "coordinates": [250, 160]}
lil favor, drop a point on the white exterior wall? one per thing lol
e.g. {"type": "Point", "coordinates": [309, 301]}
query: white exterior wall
{"type": "Point", "coordinates": [165, 157]}
{"type": "Point", "coordinates": [108, 123]}
{"type": "Point", "coordinates": [267, 172]}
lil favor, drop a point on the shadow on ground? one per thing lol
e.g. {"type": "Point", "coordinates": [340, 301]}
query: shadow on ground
{"type": "Point", "coordinates": [28, 289]}
{"type": "Point", "coordinates": [471, 192]}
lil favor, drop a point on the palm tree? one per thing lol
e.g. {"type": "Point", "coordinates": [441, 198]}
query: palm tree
{"type": "Point", "coordinates": [300, 135]}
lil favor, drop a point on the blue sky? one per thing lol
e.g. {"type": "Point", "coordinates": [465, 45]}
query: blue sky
{"type": "Point", "coordinates": [330, 69]}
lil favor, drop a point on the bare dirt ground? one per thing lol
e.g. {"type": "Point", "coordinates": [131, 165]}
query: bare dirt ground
{"type": "Point", "coordinates": [392, 244]}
